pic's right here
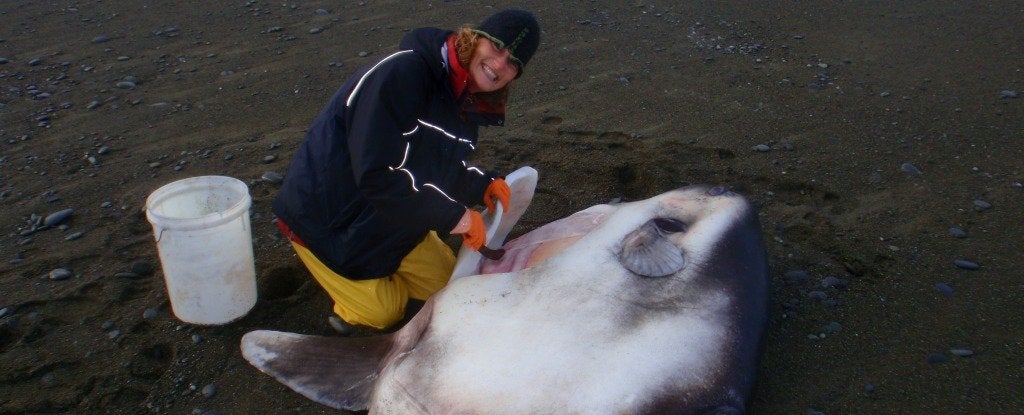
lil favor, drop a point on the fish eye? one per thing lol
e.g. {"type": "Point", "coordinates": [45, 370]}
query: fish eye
{"type": "Point", "coordinates": [669, 225]}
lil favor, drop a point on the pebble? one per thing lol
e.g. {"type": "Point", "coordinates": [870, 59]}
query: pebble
{"type": "Point", "coordinates": [126, 85]}
{"type": "Point", "coordinates": [107, 325]}
{"type": "Point", "coordinates": [73, 236]}
{"type": "Point", "coordinates": [114, 334]}
{"type": "Point", "coordinates": [1007, 93]}
{"type": "Point", "coordinates": [60, 274]}
{"type": "Point", "coordinates": [196, 339]}
{"type": "Point", "coordinates": [981, 205]}
{"type": "Point", "coordinates": [93, 105]}
{"type": "Point", "coordinates": [6, 311]}
{"type": "Point", "coordinates": [316, 30]}
{"type": "Point", "coordinates": [818, 295]}
{"type": "Point", "coordinates": [209, 390]}
{"type": "Point", "coordinates": [58, 217]}
{"type": "Point", "coordinates": [269, 159]}
{"type": "Point", "coordinates": [869, 388]}
{"type": "Point", "coordinates": [832, 328]}
{"type": "Point", "coordinates": [965, 264]}
{"type": "Point", "coordinates": [962, 352]}
{"type": "Point", "coordinates": [834, 282]}
{"type": "Point", "coordinates": [795, 277]}
{"type": "Point", "coordinates": [944, 288]}
{"type": "Point", "coordinates": [100, 39]}
{"type": "Point", "coordinates": [957, 233]}
{"type": "Point", "coordinates": [142, 268]}
{"type": "Point", "coordinates": [910, 169]}
{"type": "Point", "coordinates": [936, 358]}
{"type": "Point", "coordinates": [149, 314]}
{"type": "Point", "coordinates": [272, 177]}
{"type": "Point", "coordinates": [761, 148]}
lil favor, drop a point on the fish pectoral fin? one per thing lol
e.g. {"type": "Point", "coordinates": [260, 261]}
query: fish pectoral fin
{"type": "Point", "coordinates": [335, 371]}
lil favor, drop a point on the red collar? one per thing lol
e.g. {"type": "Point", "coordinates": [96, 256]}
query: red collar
{"type": "Point", "coordinates": [458, 75]}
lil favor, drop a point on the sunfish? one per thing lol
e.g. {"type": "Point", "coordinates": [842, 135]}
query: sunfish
{"type": "Point", "coordinates": [648, 307]}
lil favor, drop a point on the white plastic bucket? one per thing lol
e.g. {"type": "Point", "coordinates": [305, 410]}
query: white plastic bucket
{"type": "Point", "coordinates": [202, 231]}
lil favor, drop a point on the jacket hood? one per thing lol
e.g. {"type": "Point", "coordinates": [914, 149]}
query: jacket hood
{"type": "Point", "coordinates": [427, 42]}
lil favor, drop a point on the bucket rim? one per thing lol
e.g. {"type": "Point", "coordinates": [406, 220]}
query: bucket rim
{"type": "Point", "coordinates": [202, 222]}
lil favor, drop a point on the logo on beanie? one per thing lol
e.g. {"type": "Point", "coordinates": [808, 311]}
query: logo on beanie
{"type": "Point", "coordinates": [519, 39]}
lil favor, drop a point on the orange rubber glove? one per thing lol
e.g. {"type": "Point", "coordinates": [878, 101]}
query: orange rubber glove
{"type": "Point", "coordinates": [498, 189]}
{"type": "Point", "coordinates": [476, 236]}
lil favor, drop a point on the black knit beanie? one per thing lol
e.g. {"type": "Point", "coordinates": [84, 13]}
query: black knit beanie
{"type": "Point", "coordinates": [515, 30]}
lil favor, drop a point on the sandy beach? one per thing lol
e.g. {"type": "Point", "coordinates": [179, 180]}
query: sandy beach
{"type": "Point", "coordinates": [881, 144]}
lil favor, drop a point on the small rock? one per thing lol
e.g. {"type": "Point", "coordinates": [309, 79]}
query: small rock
{"type": "Point", "coordinates": [795, 277]}
{"type": "Point", "coordinates": [962, 352]}
{"type": "Point", "coordinates": [936, 358]}
{"type": "Point", "coordinates": [107, 325]}
{"type": "Point", "coordinates": [73, 236]}
{"type": "Point", "coordinates": [761, 148]}
{"type": "Point", "coordinates": [818, 295]}
{"type": "Point", "coordinates": [316, 30]}
{"type": "Point", "coordinates": [957, 233]}
{"type": "Point", "coordinates": [149, 314]}
{"type": "Point", "coordinates": [209, 390]}
{"type": "Point", "coordinates": [272, 177]}
{"type": "Point", "coordinates": [196, 339]}
{"type": "Point", "coordinates": [142, 268]}
{"type": "Point", "coordinates": [965, 264]}
{"type": "Point", "coordinates": [6, 311]}
{"type": "Point", "coordinates": [100, 39]}
{"type": "Point", "coordinates": [981, 205]}
{"type": "Point", "coordinates": [114, 334]}
{"type": "Point", "coordinates": [269, 159]}
{"type": "Point", "coordinates": [832, 328]}
{"type": "Point", "coordinates": [910, 169]}
{"type": "Point", "coordinates": [58, 217]}
{"type": "Point", "coordinates": [60, 274]}
{"type": "Point", "coordinates": [834, 282]}
{"type": "Point", "coordinates": [126, 85]}
{"type": "Point", "coordinates": [944, 288]}
{"type": "Point", "coordinates": [1006, 93]}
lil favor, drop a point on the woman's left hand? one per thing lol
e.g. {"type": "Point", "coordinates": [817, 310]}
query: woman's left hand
{"type": "Point", "coordinates": [498, 189]}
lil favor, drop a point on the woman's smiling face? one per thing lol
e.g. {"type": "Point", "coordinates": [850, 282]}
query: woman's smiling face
{"type": "Point", "coordinates": [491, 68]}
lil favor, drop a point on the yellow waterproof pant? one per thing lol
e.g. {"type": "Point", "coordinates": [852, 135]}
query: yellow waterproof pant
{"type": "Point", "coordinates": [380, 302]}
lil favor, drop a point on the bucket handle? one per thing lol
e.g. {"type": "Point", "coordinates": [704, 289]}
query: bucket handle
{"type": "Point", "coordinates": [159, 234]}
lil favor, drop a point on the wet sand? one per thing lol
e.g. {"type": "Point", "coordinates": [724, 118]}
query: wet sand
{"type": "Point", "coordinates": [863, 134]}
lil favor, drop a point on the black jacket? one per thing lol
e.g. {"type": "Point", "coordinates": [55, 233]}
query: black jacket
{"type": "Point", "coordinates": [383, 163]}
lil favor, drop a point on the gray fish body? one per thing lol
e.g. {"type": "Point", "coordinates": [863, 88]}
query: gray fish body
{"type": "Point", "coordinates": [659, 308]}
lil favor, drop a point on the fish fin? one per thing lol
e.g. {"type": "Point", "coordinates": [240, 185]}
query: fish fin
{"type": "Point", "coordinates": [335, 371]}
